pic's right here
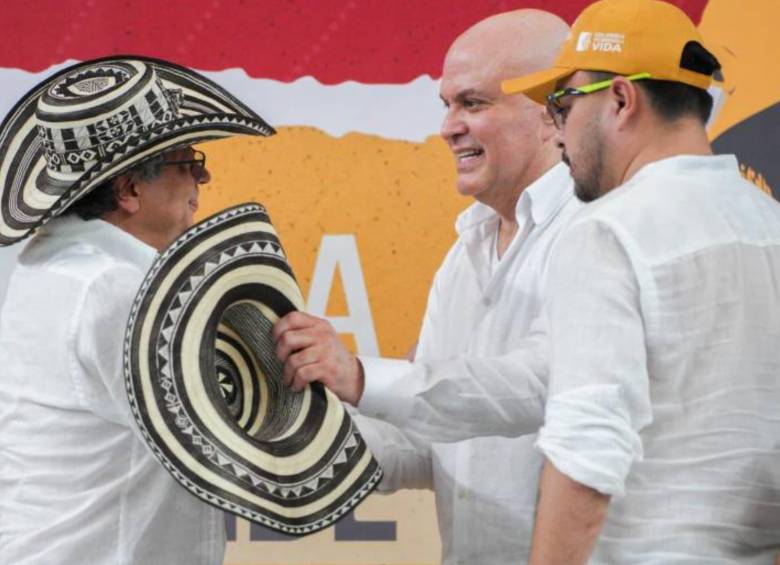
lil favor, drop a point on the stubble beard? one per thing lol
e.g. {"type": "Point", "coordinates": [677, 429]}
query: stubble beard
{"type": "Point", "coordinates": [588, 172]}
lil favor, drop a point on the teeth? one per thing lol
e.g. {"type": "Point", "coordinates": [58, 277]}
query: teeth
{"type": "Point", "coordinates": [472, 153]}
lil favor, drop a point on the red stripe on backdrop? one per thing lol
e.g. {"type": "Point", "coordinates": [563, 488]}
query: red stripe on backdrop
{"type": "Point", "coordinates": [370, 41]}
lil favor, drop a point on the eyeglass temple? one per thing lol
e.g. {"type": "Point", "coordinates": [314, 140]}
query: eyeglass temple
{"type": "Point", "coordinates": [588, 88]}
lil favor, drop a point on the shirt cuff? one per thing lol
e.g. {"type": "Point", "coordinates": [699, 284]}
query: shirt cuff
{"type": "Point", "coordinates": [380, 393]}
{"type": "Point", "coordinates": [588, 437]}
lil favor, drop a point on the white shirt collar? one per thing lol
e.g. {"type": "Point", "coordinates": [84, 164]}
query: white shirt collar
{"type": "Point", "coordinates": [688, 165]}
{"type": "Point", "coordinates": [546, 195]}
{"type": "Point", "coordinates": [69, 230]}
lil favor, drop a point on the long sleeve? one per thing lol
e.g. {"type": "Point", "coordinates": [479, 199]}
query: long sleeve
{"type": "Point", "coordinates": [462, 398]}
{"type": "Point", "coordinates": [97, 370]}
{"type": "Point", "coordinates": [599, 388]}
{"type": "Point", "coordinates": [405, 458]}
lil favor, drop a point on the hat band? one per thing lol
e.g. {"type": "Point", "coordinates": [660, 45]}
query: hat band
{"type": "Point", "coordinates": [70, 151]}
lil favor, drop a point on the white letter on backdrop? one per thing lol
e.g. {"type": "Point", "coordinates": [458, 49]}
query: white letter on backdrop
{"type": "Point", "coordinates": [340, 252]}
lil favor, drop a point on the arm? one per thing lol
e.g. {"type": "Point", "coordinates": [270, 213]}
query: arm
{"type": "Point", "coordinates": [404, 458]}
{"type": "Point", "coordinates": [443, 400]}
{"type": "Point", "coordinates": [566, 506]}
{"type": "Point", "coordinates": [599, 390]}
{"type": "Point", "coordinates": [101, 323]}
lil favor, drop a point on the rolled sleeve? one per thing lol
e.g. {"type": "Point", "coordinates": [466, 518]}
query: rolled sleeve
{"type": "Point", "coordinates": [599, 386]}
{"type": "Point", "coordinates": [588, 437]}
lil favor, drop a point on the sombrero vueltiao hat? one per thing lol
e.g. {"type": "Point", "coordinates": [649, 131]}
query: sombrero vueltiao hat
{"type": "Point", "coordinates": [94, 120]}
{"type": "Point", "coordinates": [206, 387]}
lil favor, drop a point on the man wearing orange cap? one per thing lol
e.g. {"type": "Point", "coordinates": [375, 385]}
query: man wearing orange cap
{"type": "Point", "coordinates": [660, 437]}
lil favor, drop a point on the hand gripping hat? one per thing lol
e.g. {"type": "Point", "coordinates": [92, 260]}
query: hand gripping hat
{"type": "Point", "coordinates": [94, 120]}
{"type": "Point", "coordinates": [625, 37]}
{"type": "Point", "coordinates": [206, 389]}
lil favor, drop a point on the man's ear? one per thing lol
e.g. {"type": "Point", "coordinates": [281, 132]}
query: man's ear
{"type": "Point", "coordinates": [624, 102]}
{"type": "Point", "coordinates": [127, 193]}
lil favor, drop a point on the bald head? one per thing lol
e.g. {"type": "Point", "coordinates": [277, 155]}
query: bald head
{"type": "Point", "coordinates": [501, 144]}
{"type": "Point", "coordinates": [512, 43]}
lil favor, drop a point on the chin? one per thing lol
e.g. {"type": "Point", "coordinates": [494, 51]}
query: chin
{"type": "Point", "coordinates": [469, 188]}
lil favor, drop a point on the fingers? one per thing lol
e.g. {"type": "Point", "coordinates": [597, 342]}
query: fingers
{"type": "Point", "coordinates": [297, 361]}
{"type": "Point", "coordinates": [293, 340]}
{"type": "Point", "coordinates": [297, 331]}
{"type": "Point", "coordinates": [311, 350]}
{"type": "Point", "coordinates": [305, 375]}
{"type": "Point", "coordinates": [295, 321]}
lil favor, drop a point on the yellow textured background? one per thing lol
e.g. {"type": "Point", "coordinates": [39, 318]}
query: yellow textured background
{"type": "Point", "coordinates": [396, 197]}
{"type": "Point", "coordinates": [399, 201]}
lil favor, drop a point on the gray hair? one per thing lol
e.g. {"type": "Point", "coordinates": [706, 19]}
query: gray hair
{"type": "Point", "coordinates": [148, 170]}
{"type": "Point", "coordinates": [103, 199]}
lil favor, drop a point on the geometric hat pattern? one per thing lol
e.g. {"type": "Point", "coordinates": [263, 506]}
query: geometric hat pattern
{"type": "Point", "coordinates": [206, 388]}
{"type": "Point", "coordinates": [94, 120]}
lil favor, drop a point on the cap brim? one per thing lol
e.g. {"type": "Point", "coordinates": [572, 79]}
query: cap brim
{"type": "Point", "coordinates": [536, 85]}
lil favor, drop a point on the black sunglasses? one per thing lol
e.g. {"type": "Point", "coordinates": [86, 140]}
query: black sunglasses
{"type": "Point", "coordinates": [197, 164]}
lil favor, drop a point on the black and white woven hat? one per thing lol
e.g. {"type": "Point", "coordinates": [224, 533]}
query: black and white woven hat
{"type": "Point", "coordinates": [206, 387]}
{"type": "Point", "coordinates": [91, 121]}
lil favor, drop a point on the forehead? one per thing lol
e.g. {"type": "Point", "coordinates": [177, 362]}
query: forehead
{"type": "Point", "coordinates": [470, 68]}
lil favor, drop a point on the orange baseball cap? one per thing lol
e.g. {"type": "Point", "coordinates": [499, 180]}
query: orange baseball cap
{"type": "Point", "coordinates": [624, 37]}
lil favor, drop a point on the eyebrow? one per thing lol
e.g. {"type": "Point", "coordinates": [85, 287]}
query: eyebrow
{"type": "Point", "coordinates": [468, 92]}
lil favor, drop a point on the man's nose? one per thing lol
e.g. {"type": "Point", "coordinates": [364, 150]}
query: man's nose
{"type": "Point", "coordinates": [452, 125]}
{"type": "Point", "coordinates": [205, 176]}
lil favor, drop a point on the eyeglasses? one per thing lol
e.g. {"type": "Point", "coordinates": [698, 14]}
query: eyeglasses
{"type": "Point", "coordinates": [197, 164]}
{"type": "Point", "coordinates": [558, 111]}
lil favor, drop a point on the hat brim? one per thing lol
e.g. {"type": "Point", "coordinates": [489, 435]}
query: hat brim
{"type": "Point", "coordinates": [206, 388]}
{"type": "Point", "coordinates": [537, 86]}
{"type": "Point", "coordinates": [28, 197]}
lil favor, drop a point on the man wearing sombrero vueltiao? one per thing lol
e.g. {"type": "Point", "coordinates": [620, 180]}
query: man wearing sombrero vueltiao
{"type": "Point", "coordinates": [98, 162]}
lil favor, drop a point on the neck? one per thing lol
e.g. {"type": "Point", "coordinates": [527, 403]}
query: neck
{"type": "Point", "coordinates": [682, 137]}
{"type": "Point", "coordinates": [507, 207]}
{"type": "Point", "coordinates": [125, 223]}
{"type": "Point", "coordinates": [506, 233]}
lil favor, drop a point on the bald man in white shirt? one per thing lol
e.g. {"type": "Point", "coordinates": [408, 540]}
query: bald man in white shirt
{"type": "Point", "coordinates": [484, 299]}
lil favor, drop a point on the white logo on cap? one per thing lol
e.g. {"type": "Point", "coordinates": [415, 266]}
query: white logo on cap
{"type": "Point", "coordinates": [611, 42]}
{"type": "Point", "coordinates": [599, 41]}
{"type": "Point", "coordinates": [583, 41]}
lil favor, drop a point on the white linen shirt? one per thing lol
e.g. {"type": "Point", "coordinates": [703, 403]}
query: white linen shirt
{"type": "Point", "coordinates": [478, 313]}
{"type": "Point", "coordinates": [664, 320]}
{"type": "Point", "coordinates": [77, 483]}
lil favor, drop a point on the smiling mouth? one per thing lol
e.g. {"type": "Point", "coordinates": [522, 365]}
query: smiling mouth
{"type": "Point", "coordinates": [463, 157]}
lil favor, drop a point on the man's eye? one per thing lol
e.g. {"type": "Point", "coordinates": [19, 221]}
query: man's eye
{"type": "Point", "coordinates": [470, 104]}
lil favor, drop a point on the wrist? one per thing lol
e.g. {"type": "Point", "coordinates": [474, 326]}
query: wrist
{"type": "Point", "coordinates": [359, 382]}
